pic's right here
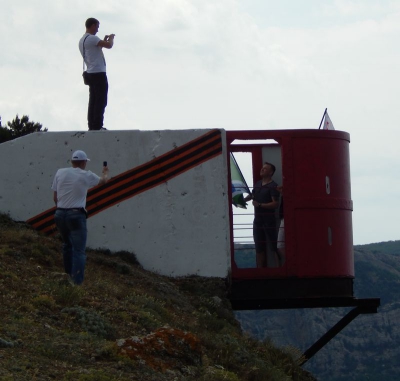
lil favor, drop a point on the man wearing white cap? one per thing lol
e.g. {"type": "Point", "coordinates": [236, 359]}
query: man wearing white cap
{"type": "Point", "coordinates": [70, 186]}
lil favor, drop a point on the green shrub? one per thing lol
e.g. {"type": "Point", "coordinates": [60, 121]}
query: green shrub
{"type": "Point", "coordinates": [44, 301]}
{"type": "Point", "coordinates": [91, 322]}
{"type": "Point", "coordinates": [94, 376]}
{"type": "Point", "coordinates": [67, 294]}
{"type": "Point", "coordinates": [219, 374]}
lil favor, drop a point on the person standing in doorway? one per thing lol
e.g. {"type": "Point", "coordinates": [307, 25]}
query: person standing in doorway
{"type": "Point", "coordinates": [91, 48]}
{"type": "Point", "coordinates": [265, 200]}
{"type": "Point", "coordinates": [70, 186]}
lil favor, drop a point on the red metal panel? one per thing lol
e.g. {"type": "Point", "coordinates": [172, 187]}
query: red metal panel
{"type": "Point", "coordinates": [322, 207]}
{"type": "Point", "coordinates": [314, 159]}
{"type": "Point", "coordinates": [324, 243]}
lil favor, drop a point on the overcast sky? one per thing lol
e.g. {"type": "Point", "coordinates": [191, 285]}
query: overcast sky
{"type": "Point", "coordinates": [232, 64]}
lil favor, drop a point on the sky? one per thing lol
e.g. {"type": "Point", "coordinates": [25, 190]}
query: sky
{"type": "Point", "coordinates": [231, 64]}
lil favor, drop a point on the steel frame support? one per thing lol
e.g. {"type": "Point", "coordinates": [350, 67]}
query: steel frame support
{"type": "Point", "coordinates": [338, 327]}
{"type": "Point", "coordinates": [361, 306]}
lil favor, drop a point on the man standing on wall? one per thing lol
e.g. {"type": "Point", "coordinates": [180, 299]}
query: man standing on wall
{"type": "Point", "coordinates": [91, 48]}
{"type": "Point", "coordinates": [265, 200]}
{"type": "Point", "coordinates": [70, 186]}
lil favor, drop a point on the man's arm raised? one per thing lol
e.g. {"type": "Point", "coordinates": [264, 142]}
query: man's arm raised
{"type": "Point", "coordinates": [108, 42]}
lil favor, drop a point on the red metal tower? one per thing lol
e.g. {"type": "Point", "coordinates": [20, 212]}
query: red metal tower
{"type": "Point", "coordinates": [318, 270]}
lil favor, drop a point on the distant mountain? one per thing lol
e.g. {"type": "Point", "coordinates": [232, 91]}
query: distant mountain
{"type": "Point", "coordinates": [369, 347]}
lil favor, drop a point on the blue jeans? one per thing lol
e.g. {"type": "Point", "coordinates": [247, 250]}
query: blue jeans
{"type": "Point", "coordinates": [72, 226]}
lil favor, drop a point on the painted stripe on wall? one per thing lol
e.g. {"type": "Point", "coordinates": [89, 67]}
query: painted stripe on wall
{"type": "Point", "coordinates": [142, 178]}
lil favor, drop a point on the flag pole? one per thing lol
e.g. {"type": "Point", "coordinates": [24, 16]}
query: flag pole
{"type": "Point", "coordinates": [241, 174]}
{"type": "Point", "coordinates": [323, 116]}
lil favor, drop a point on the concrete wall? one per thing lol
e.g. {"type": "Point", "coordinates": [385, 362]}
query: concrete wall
{"type": "Point", "coordinates": [177, 227]}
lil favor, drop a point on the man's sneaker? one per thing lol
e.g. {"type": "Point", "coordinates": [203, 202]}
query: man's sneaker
{"type": "Point", "coordinates": [102, 128]}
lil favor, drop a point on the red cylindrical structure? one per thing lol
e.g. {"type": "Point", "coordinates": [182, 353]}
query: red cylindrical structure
{"type": "Point", "coordinates": [317, 212]}
{"type": "Point", "coordinates": [318, 206]}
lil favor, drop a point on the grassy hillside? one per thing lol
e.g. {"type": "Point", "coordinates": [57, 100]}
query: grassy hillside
{"type": "Point", "coordinates": [123, 323]}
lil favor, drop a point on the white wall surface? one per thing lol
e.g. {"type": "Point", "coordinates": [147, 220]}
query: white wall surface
{"type": "Point", "coordinates": [180, 227]}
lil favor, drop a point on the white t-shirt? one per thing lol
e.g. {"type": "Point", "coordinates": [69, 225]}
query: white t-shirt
{"type": "Point", "coordinates": [71, 185]}
{"type": "Point", "coordinates": [94, 57]}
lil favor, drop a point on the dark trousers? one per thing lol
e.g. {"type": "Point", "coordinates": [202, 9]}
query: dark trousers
{"type": "Point", "coordinates": [98, 90]}
{"type": "Point", "coordinates": [264, 233]}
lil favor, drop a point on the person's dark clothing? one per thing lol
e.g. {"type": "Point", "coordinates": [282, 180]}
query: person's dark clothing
{"type": "Point", "coordinates": [264, 225]}
{"type": "Point", "coordinates": [98, 90]}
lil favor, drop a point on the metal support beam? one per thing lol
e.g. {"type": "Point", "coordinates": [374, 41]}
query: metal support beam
{"type": "Point", "coordinates": [241, 301]}
{"type": "Point", "coordinates": [347, 319]}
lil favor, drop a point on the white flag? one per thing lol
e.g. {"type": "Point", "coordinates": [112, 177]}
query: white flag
{"type": "Point", "coordinates": [328, 125]}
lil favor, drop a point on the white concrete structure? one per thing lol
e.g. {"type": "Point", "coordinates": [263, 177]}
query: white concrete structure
{"type": "Point", "coordinates": [177, 225]}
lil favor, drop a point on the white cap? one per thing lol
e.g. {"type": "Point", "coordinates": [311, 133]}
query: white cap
{"type": "Point", "coordinates": [79, 155]}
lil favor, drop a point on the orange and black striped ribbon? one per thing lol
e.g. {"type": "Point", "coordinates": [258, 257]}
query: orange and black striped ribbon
{"type": "Point", "coordinates": [146, 176]}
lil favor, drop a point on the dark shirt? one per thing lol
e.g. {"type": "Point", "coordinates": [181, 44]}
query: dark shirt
{"type": "Point", "coordinates": [264, 194]}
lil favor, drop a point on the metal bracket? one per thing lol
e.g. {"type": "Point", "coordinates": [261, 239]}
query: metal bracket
{"type": "Point", "coordinates": [367, 306]}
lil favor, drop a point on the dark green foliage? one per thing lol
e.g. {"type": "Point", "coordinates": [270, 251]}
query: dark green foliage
{"type": "Point", "coordinates": [128, 257]}
{"type": "Point", "coordinates": [67, 295]}
{"type": "Point", "coordinates": [19, 127]}
{"type": "Point", "coordinates": [390, 247]}
{"type": "Point", "coordinates": [5, 134]}
{"type": "Point", "coordinates": [91, 321]}
{"type": "Point", "coordinates": [377, 271]}
{"type": "Point", "coordinates": [93, 376]}
{"type": "Point", "coordinates": [372, 281]}
{"type": "Point", "coordinates": [7, 222]}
